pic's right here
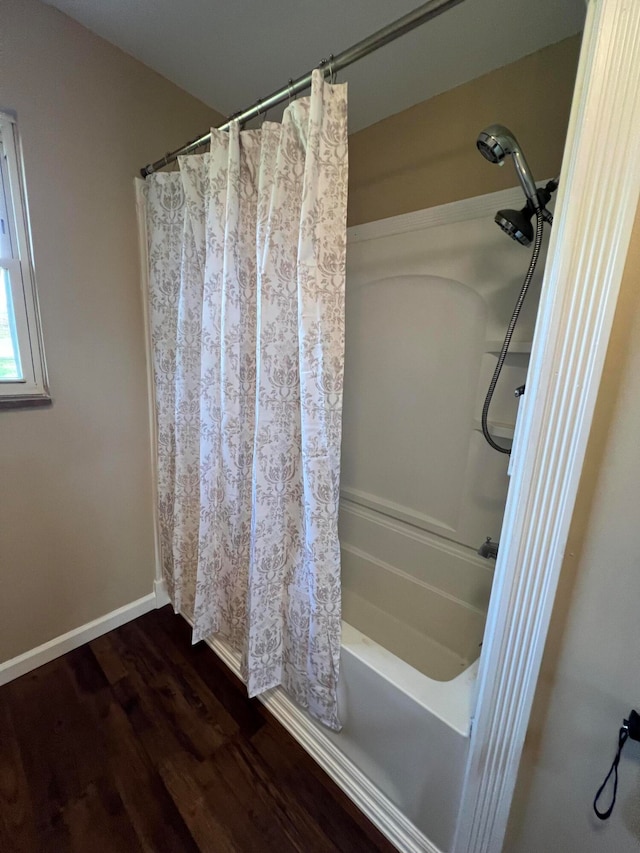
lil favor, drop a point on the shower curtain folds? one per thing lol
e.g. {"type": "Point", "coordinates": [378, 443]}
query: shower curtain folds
{"type": "Point", "coordinates": [246, 255]}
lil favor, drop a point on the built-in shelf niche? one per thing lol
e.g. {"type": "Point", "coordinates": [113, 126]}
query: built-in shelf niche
{"type": "Point", "coordinates": [518, 360]}
{"type": "Point", "coordinates": [496, 428]}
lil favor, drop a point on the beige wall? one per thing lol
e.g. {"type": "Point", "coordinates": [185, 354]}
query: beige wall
{"type": "Point", "coordinates": [427, 155]}
{"type": "Point", "coordinates": [75, 501]}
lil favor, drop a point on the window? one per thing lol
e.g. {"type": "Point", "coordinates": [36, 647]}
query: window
{"type": "Point", "coordinates": [23, 379]}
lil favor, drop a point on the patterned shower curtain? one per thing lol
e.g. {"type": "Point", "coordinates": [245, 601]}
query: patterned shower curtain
{"type": "Point", "coordinates": [246, 266]}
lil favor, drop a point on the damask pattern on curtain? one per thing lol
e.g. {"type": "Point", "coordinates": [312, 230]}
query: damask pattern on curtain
{"type": "Point", "coordinates": [246, 249]}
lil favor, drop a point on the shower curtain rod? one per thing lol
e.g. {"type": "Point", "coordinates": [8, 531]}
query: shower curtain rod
{"type": "Point", "coordinates": [352, 54]}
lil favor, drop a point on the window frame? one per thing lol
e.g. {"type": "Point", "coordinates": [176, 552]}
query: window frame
{"type": "Point", "coordinates": [33, 388]}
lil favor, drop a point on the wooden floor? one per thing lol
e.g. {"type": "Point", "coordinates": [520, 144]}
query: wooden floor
{"type": "Point", "coordinates": [140, 741]}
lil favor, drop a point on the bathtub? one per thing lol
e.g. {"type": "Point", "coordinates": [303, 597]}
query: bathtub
{"type": "Point", "coordinates": [414, 608]}
{"type": "Point", "coordinates": [408, 734]}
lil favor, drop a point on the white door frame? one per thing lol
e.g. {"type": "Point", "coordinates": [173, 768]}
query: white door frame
{"type": "Point", "coordinates": [594, 214]}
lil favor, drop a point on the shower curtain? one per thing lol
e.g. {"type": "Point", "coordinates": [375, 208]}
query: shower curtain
{"type": "Point", "coordinates": [246, 265]}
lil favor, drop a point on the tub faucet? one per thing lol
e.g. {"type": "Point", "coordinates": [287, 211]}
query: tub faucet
{"type": "Point", "coordinates": [488, 549]}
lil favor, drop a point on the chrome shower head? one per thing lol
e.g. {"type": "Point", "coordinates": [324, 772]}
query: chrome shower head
{"type": "Point", "coordinates": [495, 143]}
{"type": "Point", "coordinates": [490, 145]}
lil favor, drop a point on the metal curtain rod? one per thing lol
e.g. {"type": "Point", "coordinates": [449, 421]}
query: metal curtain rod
{"type": "Point", "coordinates": [352, 54]}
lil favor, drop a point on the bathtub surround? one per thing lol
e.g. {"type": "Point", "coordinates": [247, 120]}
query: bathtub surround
{"type": "Point", "coordinates": [419, 493]}
{"type": "Point", "coordinates": [246, 249]}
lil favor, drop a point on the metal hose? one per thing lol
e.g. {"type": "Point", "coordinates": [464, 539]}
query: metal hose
{"type": "Point", "coordinates": [509, 334]}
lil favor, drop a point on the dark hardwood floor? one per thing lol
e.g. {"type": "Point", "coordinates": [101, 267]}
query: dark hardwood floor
{"type": "Point", "coordinates": [140, 741]}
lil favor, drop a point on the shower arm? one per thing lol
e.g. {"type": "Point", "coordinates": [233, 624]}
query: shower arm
{"type": "Point", "coordinates": [426, 12]}
{"type": "Point", "coordinates": [524, 176]}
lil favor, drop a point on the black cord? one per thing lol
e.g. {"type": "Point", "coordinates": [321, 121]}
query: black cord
{"type": "Point", "coordinates": [622, 739]}
{"type": "Point", "coordinates": [630, 730]}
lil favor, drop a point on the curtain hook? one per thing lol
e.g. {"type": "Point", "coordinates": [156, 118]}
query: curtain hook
{"type": "Point", "coordinates": [332, 73]}
{"type": "Point", "coordinates": [290, 91]}
{"type": "Point", "coordinates": [236, 117]}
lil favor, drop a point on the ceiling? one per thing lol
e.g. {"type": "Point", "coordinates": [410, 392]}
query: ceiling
{"type": "Point", "coordinates": [229, 53]}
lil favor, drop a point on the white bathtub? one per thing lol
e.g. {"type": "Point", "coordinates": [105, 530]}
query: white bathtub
{"type": "Point", "coordinates": [407, 733]}
{"type": "Point", "coordinates": [409, 664]}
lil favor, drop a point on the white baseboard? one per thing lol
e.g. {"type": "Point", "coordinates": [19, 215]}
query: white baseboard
{"type": "Point", "coordinates": [375, 805]}
{"type": "Point", "coordinates": [20, 665]}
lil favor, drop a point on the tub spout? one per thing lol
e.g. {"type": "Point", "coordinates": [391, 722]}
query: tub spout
{"type": "Point", "coordinates": [488, 549]}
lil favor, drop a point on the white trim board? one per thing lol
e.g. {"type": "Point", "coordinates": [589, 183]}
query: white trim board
{"type": "Point", "coordinates": [596, 206]}
{"type": "Point", "coordinates": [24, 663]}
